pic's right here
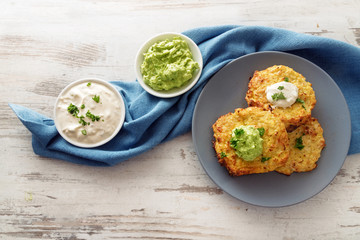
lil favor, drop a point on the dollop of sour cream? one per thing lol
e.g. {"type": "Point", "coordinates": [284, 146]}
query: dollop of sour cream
{"type": "Point", "coordinates": [88, 113]}
{"type": "Point", "coordinates": [282, 94]}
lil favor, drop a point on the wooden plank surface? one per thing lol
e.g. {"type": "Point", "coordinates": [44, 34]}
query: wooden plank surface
{"type": "Point", "coordinates": [163, 193]}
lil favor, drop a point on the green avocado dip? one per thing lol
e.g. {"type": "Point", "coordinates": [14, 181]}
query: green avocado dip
{"type": "Point", "coordinates": [247, 142]}
{"type": "Point", "coordinates": [168, 64]}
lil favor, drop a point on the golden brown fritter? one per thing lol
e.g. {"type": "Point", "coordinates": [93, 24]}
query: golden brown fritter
{"type": "Point", "coordinates": [275, 141]}
{"type": "Point", "coordinates": [296, 114]}
{"type": "Point", "coordinates": [306, 144]}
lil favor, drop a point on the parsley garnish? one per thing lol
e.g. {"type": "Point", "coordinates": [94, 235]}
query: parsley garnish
{"type": "Point", "coordinates": [286, 79]}
{"type": "Point", "coordinates": [82, 121]}
{"type": "Point", "coordinates": [261, 131]}
{"type": "Point", "coordinates": [233, 142]}
{"type": "Point", "coordinates": [96, 98]}
{"type": "Point", "coordinates": [281, 87]}
{"type": "Point", "coordinates": [278, 96]}
{"type": "Point", "coordinates": [222, 155]}
{"type": "Point", "coordinates": [238, 132]}
{"type": "Point", "coordinates": [299, 143]}
{"type": "Point", "coordinates": [92, 116]}
{"type": "Point", "coordinates": [298, 100]}
{"type": "Point", "coordinates": [89, 84]}
{"type": "Point", "coordinates": [264, 159]}
{"type": "Point", "coordinates": [73, 110]}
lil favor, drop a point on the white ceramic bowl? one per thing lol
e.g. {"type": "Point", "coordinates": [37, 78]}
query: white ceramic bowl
{"type": "Point", "coordinates": [119, 123]}
{"type": "Point", "coordinates": [175, 91]}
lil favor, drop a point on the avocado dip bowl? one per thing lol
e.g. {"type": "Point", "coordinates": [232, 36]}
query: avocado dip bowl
{"type": "Point", "coordinates": [168, 65]}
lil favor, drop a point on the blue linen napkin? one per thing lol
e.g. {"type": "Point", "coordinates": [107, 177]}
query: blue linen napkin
{"type": "Point", "coordinates": [151, 120]}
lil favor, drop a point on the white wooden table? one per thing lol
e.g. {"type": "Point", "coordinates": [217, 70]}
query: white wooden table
{"type": "Point", "coordinates": [164, 193]}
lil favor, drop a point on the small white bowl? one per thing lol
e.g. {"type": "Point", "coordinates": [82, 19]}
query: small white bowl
{"type": "Point", "coordinates": [119, 123]}
{"type": "Point", "coordinates": [175, 91]}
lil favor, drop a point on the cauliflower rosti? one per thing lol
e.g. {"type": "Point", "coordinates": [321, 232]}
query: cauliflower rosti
{"type": "Point", "coordinates": [300, 108]}
{"type": "Point", "coordinates": [274, 141]}
{"type": "Point", "coordinates": [306, 144]}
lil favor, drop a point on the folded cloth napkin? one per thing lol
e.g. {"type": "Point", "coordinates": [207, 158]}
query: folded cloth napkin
{"type": "Point", "coordinates": [151, 120]}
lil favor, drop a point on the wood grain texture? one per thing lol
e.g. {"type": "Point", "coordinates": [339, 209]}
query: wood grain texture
{"type": "Point", "coordinates": [163, 193]}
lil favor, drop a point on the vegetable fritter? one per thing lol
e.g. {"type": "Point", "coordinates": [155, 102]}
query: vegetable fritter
{"type": "Point", "coordinates": [306, 144]}
{"type": "Point", "coordinates": [275, 142]}
{"type": "Point", "coordinates": [295, 115]}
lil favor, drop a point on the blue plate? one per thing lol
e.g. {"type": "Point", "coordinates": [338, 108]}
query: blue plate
{"type": "Point", "coordinates": [226, 91]}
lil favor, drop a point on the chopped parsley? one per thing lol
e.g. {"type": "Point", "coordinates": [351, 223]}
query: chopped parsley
{"type": "Point", "coordinates": [286, 79]}
{"type": "Point", "coordinates": [73, 110]}
{"type": "Point", "coordinates": [261, 131]}
{"type": "Point", "coordinates": [238, 132]}
{"type": "Point", "coordinates": [278, 96]}
{"type": "Point", "coordinates": [92, 116]}
{"type": "Point", "coordinates": [96, 98]}
{"type": "Point", "coordinates": [233, 142]}
{"type": "Point", "coordinates": [299, 100]}
{"type": "Point", "coordinates": [89, 84]}
{"type": "Point", "coordinates": [264, 159]}
{"type": "Point", "coordinates": [82, 121]}
{"type": "Point", "coordinates": [222, 155]}
{"type": "Point", "coordinates": [299, 143]}
{"type": "Point", "coordinates": [281, 87]}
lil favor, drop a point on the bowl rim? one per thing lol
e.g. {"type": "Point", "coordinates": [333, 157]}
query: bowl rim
{"type": "Point", "coordinates": [122, 109]}
{"type": "Point", "coordinates": [197, 56]}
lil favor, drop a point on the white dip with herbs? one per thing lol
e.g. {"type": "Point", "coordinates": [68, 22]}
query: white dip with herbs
{"type": "Point", "coordinates": [89, 112]}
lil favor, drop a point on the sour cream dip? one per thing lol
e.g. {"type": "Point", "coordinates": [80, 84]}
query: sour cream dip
{"type": "Point", "coordinates": [89, 112]}
{"type": "Point", "coordinates": [282, 94]}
